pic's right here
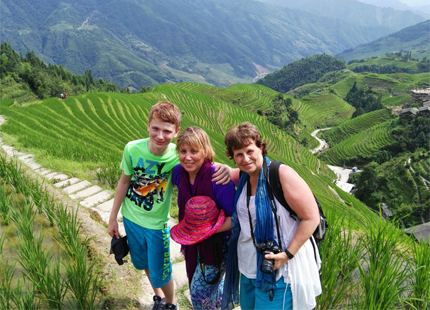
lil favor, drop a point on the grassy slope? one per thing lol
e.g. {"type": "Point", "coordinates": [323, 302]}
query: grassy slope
{"type": "Point", "coordinates": [320, 110]}
{"type": "Point", "coordinates": [83, 132]}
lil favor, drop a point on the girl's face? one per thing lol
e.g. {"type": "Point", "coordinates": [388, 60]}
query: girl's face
{"type": "Point", "coordinates": [191, 158]}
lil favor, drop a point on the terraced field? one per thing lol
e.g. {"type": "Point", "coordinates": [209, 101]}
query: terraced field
{"type": "Point", "coordinates": [395, 100]}
{"type": "Point", "coordinates": [356, 125]}
{"type": "Point", "coordinates": [324, 110]}
{"type": "Point", "coordinates": [9, 89]}
{"type": "Point", "coordinates": [249, 96]}
{"type": "Point", "coordinates": [364, 143]}
{"type": "Point", "coordinates": [88, 131]}
{"type": "Point", "coordinates": [384, 84]}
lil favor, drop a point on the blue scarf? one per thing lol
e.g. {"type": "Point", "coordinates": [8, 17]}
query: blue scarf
{"type": "Point", "coordinates": [263, 232]}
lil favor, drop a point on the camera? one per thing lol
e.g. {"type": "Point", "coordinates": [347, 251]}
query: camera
{"type": "Point", "coordinates": [267, 247]}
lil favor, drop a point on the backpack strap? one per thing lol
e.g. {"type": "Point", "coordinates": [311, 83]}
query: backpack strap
{"type": "Point", "coordinates": [275, 184]}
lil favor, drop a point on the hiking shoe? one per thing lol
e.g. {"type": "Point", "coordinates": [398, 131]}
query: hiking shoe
{"type": "Point", "coordinates": [158, 302]}
{"type": "Point", "coordinates": [169, 307]}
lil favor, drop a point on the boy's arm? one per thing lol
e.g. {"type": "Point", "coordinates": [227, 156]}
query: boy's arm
{"type": "Point", "coordinates": [120, 192]}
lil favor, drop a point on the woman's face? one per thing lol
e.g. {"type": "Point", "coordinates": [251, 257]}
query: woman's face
{"type": "Point", "coordinates": [249, 159]}
{"type": "Point", "coordinates": [191, 158]}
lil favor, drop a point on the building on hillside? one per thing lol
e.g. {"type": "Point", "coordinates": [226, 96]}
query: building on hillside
{"type": "Point", "coordinates": [420, 232]}
{"type": "Point", "coordinates": [418, 96]}
{"type": "Point", "coordinates": [424, 111]}
{"type": "Point", "coordinates": [408, 112]}
{"type": "Point", "coordinates": [385, 211]}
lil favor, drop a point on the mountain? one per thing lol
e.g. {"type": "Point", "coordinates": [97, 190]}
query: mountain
{"type": "Point", "coordinates": [142, 43]}
{"type": "Point", "coordinates": [398, 5]}
{"type": "Point", "coordinates": [354, 12]}
{"type": "Point", "coordinates": [413, 39]}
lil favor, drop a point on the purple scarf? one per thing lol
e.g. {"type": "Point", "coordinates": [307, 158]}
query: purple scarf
{"type": "Point", "coordinates": [202, 187]}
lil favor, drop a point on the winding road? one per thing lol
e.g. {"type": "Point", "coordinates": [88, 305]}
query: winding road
{"type": "Point", "coordinates": [323, 145]}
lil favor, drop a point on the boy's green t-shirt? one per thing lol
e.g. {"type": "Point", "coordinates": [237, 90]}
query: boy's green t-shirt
{"type": "Point", "coordinates": [149, 196]}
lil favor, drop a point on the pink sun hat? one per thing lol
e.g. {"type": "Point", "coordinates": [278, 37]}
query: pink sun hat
{"type": "Point", "coordinates": [201, 220]}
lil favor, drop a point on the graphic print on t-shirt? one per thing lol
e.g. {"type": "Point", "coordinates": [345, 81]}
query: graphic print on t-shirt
{"type": "Point", "coordinates": [147, 186]}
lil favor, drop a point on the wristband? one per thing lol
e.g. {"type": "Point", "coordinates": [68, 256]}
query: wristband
{"type": "Point", "coordinates": [290, 256]}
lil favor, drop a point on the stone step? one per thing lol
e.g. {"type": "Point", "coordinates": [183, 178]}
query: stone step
{"type": "Point", "coordinates": [24, 157]}
{"type": "Point", "coordinates": [95, 199]}
{"type": "Point", "coordinates": [59, 177]}
{"type": "Point", "coordinates": [32, 164]}
{"type": "Point", "coordinates": [179, 274]}
{"type": "Point", "coordinates": [51, 175]}
{"type": "Point", "coordinates": [76, 187]}
{"type": "Point", "coordinates": [67, 182]}
{"type": "Point", "coordinates": [44, 171]}
{"type": "Point", "coordinates": [86, 192]}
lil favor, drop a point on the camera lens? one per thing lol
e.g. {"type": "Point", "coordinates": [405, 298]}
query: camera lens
{"type": "Point", "coordinates": [267, 264]}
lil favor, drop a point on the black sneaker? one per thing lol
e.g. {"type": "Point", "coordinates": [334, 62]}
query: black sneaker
{"type": "Point", "coordinates": [158, 302]}
{"type": "Point", "coordinates": [170, 307]}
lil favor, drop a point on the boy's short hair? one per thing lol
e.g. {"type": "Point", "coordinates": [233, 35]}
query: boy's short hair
{"type": "Point", "coordinates": [242, 135]}
{"type": "Point", "coordinates": [196, 137]}
{"type": "Point", "coordinates": [166, 112]}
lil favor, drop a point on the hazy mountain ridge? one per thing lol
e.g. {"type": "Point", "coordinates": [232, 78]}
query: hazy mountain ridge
{"type": "Point", "coordinates": [135, 43]}
{"type": "Point", "coordinates": [354, 12]}
{"type": "Point", "coordinates": [413, 39]}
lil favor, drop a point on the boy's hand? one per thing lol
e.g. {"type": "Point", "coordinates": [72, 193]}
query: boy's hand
{"type": "Point", "coordinates": [113, 229]}
{"type": "Point", "coordinates": [222, 174]}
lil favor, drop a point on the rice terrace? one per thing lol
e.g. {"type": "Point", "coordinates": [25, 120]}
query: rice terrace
{"type": "Point", "coordinates": [60, 165]}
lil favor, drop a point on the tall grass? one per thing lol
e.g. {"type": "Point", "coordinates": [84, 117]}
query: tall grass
{"type": "Point", "coordinates": [52, 277]}
{"type": "Point", "coordinates": [341, 252]}
{"type": "Point", "coordinates": [385, 273]}
{"type": "Point", "coordinates": [7, 272]}
{"type": "Point", "coordinates": [5, 202]}
{"type": "Point", "coordinates": [421, 281]}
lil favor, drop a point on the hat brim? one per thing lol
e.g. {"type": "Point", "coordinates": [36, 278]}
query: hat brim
{"type": "Point", "coordinates": [186, 234]}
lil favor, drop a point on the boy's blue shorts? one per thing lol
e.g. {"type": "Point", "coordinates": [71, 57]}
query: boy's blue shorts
{"type": "Point", "coordinates": [150, 249]}
{"type": "Point", "coordinates": [252, 298]}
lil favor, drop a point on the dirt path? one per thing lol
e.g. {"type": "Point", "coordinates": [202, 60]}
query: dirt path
{"type": "Point", "coordinates": [323, 145]}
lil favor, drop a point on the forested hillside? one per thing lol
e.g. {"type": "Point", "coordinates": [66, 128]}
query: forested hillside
{"type": "Point", "coordinates": [300, 72]}
{"type": "Point", "coordinates": [35, 79]}
{"type": "Point", "coordinates": [143, 43]}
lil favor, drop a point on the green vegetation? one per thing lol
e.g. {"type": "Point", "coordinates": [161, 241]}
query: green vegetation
{"type": "Point", "coordinates": [363, 99]}
{"type": "Point", "coordinates": [43, 282]}
{"type": "Point", "coordinates": [393, 182]}
{"type": "Point", "coordinates": [400, 62]}
{"type": "Point", "coordinates": [300, 72]}
{"type": "Point", "coordinates": [44, 81]}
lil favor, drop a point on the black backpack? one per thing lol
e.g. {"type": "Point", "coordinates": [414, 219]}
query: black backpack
{"type": "Point", "coordinates": [276, 186]}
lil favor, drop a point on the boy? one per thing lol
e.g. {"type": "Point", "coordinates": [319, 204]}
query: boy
{"type": "Point", "coordinates": [145, 191]}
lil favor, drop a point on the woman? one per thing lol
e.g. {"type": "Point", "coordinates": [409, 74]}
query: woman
{"type": "Point", "coordinates": [294, 282]}
{"type": "Point", "coordinates": [193, 178]}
